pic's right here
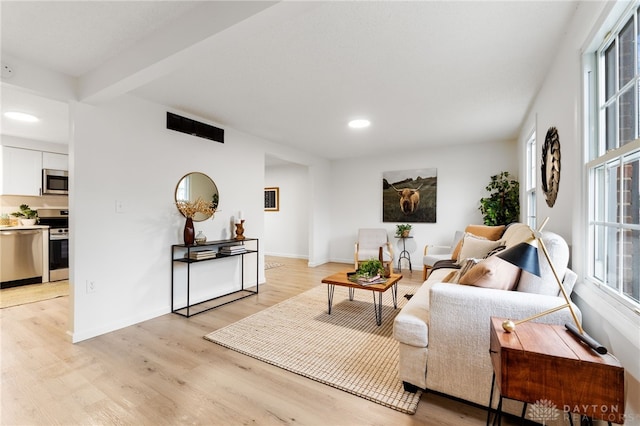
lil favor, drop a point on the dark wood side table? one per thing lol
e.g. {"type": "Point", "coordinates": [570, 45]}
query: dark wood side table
{"type": "Point", "coordinates": [547, 366]}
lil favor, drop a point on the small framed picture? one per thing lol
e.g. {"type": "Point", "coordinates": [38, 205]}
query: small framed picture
{"type": "Point", "coordinates": [272, 199]}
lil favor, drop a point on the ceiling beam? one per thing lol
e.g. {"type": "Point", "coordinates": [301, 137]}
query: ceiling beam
{"type": "Point", "coordinates": [165, 49]}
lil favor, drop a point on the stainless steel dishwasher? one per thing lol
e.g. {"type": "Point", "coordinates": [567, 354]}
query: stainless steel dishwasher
{"type": "Point", "coordinates": [20, 257]}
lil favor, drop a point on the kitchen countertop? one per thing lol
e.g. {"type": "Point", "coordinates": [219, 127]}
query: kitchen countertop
{"type": "Point", "coordinates": [20, 227]}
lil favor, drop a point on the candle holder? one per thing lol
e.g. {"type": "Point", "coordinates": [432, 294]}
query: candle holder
{"type": "Point", "coordinates": [240, 230]}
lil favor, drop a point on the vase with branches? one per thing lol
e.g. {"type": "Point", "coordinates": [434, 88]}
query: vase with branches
{"type": "Point", "coordinates": [189, 209]}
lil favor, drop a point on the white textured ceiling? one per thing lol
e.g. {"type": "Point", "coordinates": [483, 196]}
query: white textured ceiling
{"type": "Point", "coordinates": [425, 73]}
{"type": "Point", "coordinates": [74, 37]}
{"type": "Point", "coordinates": [53, 115]}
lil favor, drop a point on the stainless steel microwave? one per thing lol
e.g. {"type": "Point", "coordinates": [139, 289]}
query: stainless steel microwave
{"type": "Point", "coordinates": [55, 182]}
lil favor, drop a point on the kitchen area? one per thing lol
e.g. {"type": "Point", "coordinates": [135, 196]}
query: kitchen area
{"type": "Point", "coordinates": [33, 253]}
{"type": "Point", "coordinates": [34, 172]}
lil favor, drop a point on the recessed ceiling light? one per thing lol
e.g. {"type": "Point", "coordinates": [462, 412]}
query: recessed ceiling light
{"type": "Point", "coordinates": [21, 116]}
{"type": "Point", "coordinates": [359, 124]}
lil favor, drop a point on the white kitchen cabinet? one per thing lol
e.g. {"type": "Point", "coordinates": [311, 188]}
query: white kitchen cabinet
{"type": "Point", "coordinates": [51, 160]}
{"type": "Point", "coordinates": [21, 171]}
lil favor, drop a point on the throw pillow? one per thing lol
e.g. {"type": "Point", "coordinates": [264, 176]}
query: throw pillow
{"type": "Point", "coordinates": [496, 250]}
{"type": "Point", "coordinates": [546, 283]}
{"type": "Point", "coordinates": [516, 233]}
{"type": "Point", "coordinates": [454, 276]}
{"type": "Point", "coordinates": [476, 247]}
{"type": "Point", "coordinates": [492, 272]}
{"type": "Point", "coordinates": [450, 276]}
{"type": "Point", "coordinates": [492, 233]}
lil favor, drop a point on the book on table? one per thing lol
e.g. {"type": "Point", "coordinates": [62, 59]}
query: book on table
{"type": "Point", "coordinates": [202, 254]}
{"type": "Point", "coordinates": [232, 249]}
{"type": "Point", "coordinates": [367, 280]}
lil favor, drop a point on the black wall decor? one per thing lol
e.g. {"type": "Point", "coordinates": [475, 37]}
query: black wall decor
{"type": "Point", "coordinates": [195, 128]}
{"type": "Point", "coordinates": [551, 166]}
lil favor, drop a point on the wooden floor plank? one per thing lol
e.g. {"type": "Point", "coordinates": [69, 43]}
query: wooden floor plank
{"type": "Point", "coordinates": [162, 371]}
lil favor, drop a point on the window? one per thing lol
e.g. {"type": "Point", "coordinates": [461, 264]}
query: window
{"type": "Point", "coordinates": [613, 165]}
{"type": "Point", "coordinates": [530, 180]}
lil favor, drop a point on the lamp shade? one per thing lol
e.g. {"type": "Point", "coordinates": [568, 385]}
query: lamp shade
{"type": "Point", "coordinates": [524, 256]}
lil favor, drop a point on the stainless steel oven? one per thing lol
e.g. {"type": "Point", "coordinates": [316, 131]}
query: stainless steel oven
{"type": "Point", "coordinates": [58, 222]}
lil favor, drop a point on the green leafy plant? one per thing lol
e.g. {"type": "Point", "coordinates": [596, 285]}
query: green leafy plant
{"type": "Point", "coordinates": [502, 207]}
{"type": "Point", "coordinates": [25, 212]}
{"type": "Point", "coordinates": [403, 230]}
{"type": "Point", "coordinates": [370, 268]}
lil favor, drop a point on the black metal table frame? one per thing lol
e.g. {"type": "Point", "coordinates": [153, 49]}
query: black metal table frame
{"type": "Point", "coordinates": [240, 294]}
{"type": "Point", "coordinates": [377, 307]}
{"type": "Point", "coordinates": [404, 254]}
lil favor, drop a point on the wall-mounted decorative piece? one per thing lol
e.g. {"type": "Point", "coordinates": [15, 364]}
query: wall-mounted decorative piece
{"type": "Point", "coordinates": [197, 196]}
{"type": "Point", "coordinates": [551, 166]}
{"type": "Point", "coordinates": [272, 199]}
{"type": "Point", "coordinates": [409, 195]}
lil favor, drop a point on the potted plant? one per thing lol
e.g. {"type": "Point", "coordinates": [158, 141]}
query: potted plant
{"type": "Point", "coordinates": [26, 215]}
{"type": "Point", "coordinates": [502, 206]}
{"type": "Point", "coordinates": [403, 230]}
{"type": "Point", "coordinates": [370, 268]}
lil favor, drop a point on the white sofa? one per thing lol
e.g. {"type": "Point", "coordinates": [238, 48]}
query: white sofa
{"type": "Point", "coordinates": [443, 330]}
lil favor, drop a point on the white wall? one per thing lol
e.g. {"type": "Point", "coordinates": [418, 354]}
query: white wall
{"type": "Point", "coordinates": [320, 218]}
{"type": "Point", "coordinates": [286, 232]}
{"type": "Point", "coordinates": [560, 104]}
{"type": "Point", "coordinates": [463, 173]}
{"type": "Point", "coordinates": [461, 183]}
{"type": "Point", "coordinates": [123, 152]}
{"type": "Point", "coordinates": [25, 143]}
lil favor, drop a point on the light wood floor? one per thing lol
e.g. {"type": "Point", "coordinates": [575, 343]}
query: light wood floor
{"type": "Point", "coordinates": [33, 293]}
{"type": "Point", "coordinates": [162, 371]}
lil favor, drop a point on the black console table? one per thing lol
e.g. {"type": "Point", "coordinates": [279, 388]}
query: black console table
{"type": "Point", "coordinates": [190, 255]}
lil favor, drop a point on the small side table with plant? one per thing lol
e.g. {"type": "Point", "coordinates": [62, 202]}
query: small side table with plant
{"type": "Point", "coordinates": [402, 232]}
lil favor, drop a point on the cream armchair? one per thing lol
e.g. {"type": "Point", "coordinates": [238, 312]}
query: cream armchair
{"type": "Point", "coordinates": [368, 246]}
{"type": "Point", "coordinates": [434, 253]}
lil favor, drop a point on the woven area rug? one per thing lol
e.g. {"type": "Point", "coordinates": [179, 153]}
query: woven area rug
{"type": "Point", "coordinates": [346, 349]}
{"type": "Point", "coordinates": [271, 265]}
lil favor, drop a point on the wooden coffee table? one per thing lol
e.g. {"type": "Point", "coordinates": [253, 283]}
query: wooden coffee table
{"type": "Point", "coordinates": [341, 279]}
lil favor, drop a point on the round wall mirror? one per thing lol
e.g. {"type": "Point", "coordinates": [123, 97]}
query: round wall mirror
{"type": "Point", "coordinates": [197, 185]}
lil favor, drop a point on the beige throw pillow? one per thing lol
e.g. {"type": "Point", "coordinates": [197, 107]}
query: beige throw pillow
{"type": "Point", "coordinates": [492, 272]}
{"type": "Point", "coordinates": [492, 233]}
{"type": "Point", "coordinates": [476, 247]}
